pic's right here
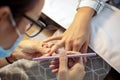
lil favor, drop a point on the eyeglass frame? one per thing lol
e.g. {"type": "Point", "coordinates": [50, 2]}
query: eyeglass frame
{"type": "Point", "coordinates": [36, 23]}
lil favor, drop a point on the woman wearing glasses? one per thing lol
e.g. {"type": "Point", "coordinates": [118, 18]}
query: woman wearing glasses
{"type": "Point", "coordinates": [15, 15]}
{"type": "Point", "coordinates": [13, 23]}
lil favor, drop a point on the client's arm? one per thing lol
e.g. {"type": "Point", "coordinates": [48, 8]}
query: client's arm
{"type": "Point", "coordinates": [27, 49]}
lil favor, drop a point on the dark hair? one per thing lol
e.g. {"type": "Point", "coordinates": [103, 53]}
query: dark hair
{"type": "Point", "coordinates": [18, 7]}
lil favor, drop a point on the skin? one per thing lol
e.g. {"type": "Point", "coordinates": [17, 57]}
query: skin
{"type": "Point", "coordinates": [8, 37]}
{"type": "Point", "coordinates": [8, 34]}
{"type": "Point", "coordinates": [29, 49]}
{"type": "Point", "coordinates": [76, 72]}
{"type": "Point", "coordinates": [76, 37]}
{"type": "Point", "coordinates": [7, 31]}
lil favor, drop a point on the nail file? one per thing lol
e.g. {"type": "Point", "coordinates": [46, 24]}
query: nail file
{"type": "Point", "coordinates": [69, 56]}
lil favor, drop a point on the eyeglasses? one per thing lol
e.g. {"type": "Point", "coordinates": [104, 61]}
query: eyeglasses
{"type": "Point", "coordinates": [35, 27]}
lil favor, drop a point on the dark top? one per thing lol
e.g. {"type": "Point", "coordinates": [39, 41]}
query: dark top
{"type": "Point", "coordinates": [115, 3]}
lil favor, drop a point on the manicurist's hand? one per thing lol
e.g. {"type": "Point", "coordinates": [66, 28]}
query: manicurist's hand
{"type": "Point", "coordinates": [29, 49]}
{"type": "Point", "coordinates": [76, 72]}
{"type": "Point", "coordinates": [76, 37]}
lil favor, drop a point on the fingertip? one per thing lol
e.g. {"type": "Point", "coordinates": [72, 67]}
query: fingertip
{"type": "Point", "coordinates": [81, 60]}
{"type": "Point", "coordinates": [55, 71]}
{"type": "Point", "coordinates": [54, 53]}
{"type": "Point", "coordinates": [85, 59]}
{"type": "Point", "coordinates": [51, 52]}
{"type": "Point", "coordinates": [51, 66]}
{"type": "Point", "coordinates": [52, 62]}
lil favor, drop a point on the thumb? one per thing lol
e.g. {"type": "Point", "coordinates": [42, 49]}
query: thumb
{"type": "Point", "coordinates": [63, 69]}
{"type": "Point", "coordinates": [79, 67]}
{"type": "Point", "coordinates": [63, 60]}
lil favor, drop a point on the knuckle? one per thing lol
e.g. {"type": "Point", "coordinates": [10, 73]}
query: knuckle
{"type": "Point", "coordinates": [76, 44]}
{"type": "Point", "coordinates": [69, 41]}
{"type": "Point", "coordinates": [63, 71]}
{"type": "Point", "coordinates": [63, 59]}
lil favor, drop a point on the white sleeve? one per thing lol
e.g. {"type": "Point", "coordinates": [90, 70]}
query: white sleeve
{"type": "Point", "coordinates": [97, 5]}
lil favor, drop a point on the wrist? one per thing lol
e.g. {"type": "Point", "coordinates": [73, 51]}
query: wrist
{"type": "Point", "coordinates": [83, 18]}
{"type": "Point", "coordinates": [11, 59]}
{"type": "Point", "coordinates": [86, 12]}
{"type": "Point", "coordinates": [84, 15]}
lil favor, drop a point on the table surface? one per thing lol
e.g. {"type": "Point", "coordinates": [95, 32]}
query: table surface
{"type": "Point", "coordinates": [61, 12]}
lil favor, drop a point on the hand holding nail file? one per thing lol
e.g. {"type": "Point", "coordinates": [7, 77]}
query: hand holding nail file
{"type": "Point", "coordinates": [69, 56]}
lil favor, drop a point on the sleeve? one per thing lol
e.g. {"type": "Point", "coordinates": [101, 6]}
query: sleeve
{"type": "Point", "coordinates": [97, 5]}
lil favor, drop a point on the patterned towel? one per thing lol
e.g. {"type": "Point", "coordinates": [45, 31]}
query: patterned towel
{"type": "Point", "coordinates": [96, 69]}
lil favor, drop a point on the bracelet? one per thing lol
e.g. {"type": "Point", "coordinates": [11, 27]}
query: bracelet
{"type": "Point", "coordinates": [8, 61]}
{"type": "Point", "coordinates": [11, 59]}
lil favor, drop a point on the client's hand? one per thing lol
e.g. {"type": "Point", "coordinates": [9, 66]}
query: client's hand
{"type": "Point", "coordinates": [28, 49]}
{"type": "Point", "coordinates": [76, 72]}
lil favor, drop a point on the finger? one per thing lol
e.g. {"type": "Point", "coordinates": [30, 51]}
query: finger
{"type": "Point", "coordinates": [78, 67]}
{"type": "Point", "coordinates": [54, 66]}
{"type": "Point", "coordinates": [56, 46]}
{"type": "Point", "coordinates": [55, 62]}
{"type": "Point", "coordinates": [53, 38]}
{"type": "Point", "coordinates": [54, 54]}
{"type": "Point", "coordinates": [70, 62]}
{"type": "Point", "coordinates": [72, 52]}
{"type": "Point", "coordinates": [63, 60]}
{"type": "Point", "coordinates": [47, 45]}
{"type": "Point", "coordinates": [81, 61]}
{"type": "Point", "coordinates": [84, 48]}
{"type": "Point", "coordinates": [44, 50]}
{"type": "Point", "coordinates": [55, 71]}
{"type": "Point", "coordinates": [50, 45]}
{"type": "Point", "coordinates": [77, 46]}
{"type": "Point", "coordinates": [62, 74]}
{"type": "Point", "coordinates": [68, 47]}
